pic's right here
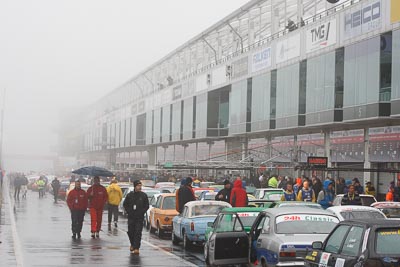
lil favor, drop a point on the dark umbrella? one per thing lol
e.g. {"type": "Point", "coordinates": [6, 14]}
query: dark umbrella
{"type": "Point", "coordinates": [93, 171]}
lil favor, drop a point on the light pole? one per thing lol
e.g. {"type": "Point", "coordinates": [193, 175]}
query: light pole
{"type": "Point", "coordinates": [1, 131]}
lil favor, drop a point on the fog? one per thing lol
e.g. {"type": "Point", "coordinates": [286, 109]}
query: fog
{"type": "Point", "coordinates": [57, 54]}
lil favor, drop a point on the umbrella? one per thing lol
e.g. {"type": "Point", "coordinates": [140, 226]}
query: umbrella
{"type": "Point", "coordinates": [93, 171]}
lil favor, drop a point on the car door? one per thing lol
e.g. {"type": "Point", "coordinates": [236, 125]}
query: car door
{"type": "Point", "coordinates": [181, 221]}
{"type": "Point", "coordinates": [255, 233]}
{"type": "Point", "coordinates": [229, 243]}
{"type": "Point", "coordinates": [154, 212]}
{"type": "Point", "coordinates": [350, 249]}
{"type": "Point", "coordinates": [337, 251]}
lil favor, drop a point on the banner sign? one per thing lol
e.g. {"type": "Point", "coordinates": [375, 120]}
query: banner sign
{"type": "Point", "coordinates": [384, 144]}
{"type": "Point", "coordinates": [288, 48]}
{"type": "Point", "coordinates": [395, 11]}
{"type": "Point", "coordinates": [261, 60]}
{"type": "Point", "coordinates": [362, 19]}
{"type": "Point", "coordinates": [321, 36]}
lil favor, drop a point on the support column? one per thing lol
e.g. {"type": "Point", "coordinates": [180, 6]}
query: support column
{"type": "Point", "coordinates": [152, 153]}
{"type": "Point", "coordinates": [327, 142]}
{"type": "Point", "coordinates": [367, 163]}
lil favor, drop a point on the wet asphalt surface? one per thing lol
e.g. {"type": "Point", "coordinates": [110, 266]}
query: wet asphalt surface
{"type": "Point", "coordinates": [40, 235]}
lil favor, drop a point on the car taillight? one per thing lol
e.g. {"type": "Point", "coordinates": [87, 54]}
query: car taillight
{"type": "Point", "coordinates": [192, 226]}
{"type": "Point", "coordinates": [287, 254]}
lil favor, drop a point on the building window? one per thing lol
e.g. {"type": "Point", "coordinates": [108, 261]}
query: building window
{"type": "Point", "coordinates": [385, 88]}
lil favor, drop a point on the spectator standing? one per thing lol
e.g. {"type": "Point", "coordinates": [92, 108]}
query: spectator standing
{"type": "Point", "coordinates": [224, 194]}
{"type": "Point", "coordinates": [41, 186]}
{"type": "Point", "coordinates": [326, 196]}
{"type": "Point", "coordinates": [273, 182]}
{"type": "Point", "coordinates": [186, 194]}
{"type": "Point", "coordinates": [390, 194]}
{"type": "Point", "coordinates": [77, 202]}
{"type": "Point", "coordinates": [238, 195]}
{"type": "Point", "coordinates": [289, 194]}
{"type": "Point", "coordinates": [340, 186]}
{"type": "Point", "coordinates": [357, 186]}
{"type": "Point", "coordinates": [17, 186]}
{"type": "Point", "coordinates": [370, 189]}
{"type": "Point", "coordinates": [24, 185]}
{"type": "Point", "coordinates": [136, 204]}
{"type": "Point", "coordinates": [55, 184]}
{"type": "Point", "coordinates": [317, 185]}
{"type": "Point", "coordinates": [114, 193]}
{"type": "Point", "coordinates": [351, 197]}
{"type": "Point", "coordinates": [183, 183]}
{"type": "Point", "coordinates": [97, 195]}
{"type": "Point", "coordinates": [306, 193]}
{"type": "Point", "coordinates": [297, 186]}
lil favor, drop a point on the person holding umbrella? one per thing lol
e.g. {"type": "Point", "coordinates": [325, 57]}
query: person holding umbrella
{"type": "Point", "coordinates": [77, 202]}
{"type": "Point", "coordinates": [97, 195]}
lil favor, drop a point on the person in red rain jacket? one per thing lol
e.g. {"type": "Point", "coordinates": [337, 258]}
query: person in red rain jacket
{"type": "Point", "coordinates": [238, 195]}
{"type": "Point", "coordinates": [97, 195]}
{"type": "Point", "coordinates": [77, 202]}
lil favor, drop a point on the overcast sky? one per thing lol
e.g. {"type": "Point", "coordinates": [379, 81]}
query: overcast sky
{"type": "Point", "coordinates": [63, 53]}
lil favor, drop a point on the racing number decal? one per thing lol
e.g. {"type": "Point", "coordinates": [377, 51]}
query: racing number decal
{"type": "Point", "coordinates": [291, 218]}
{"type": "Point", "coordinates": [324, 259]}
{"type": "Point", "coordinates": [340, 262]}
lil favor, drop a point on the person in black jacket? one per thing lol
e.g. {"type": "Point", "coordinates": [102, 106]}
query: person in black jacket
{"type": "Point", "coordinates": [224, 194]}
{"type": "Point", "coordinates": [352, 197]}
{"type": "Point", "coordinates": [136, 204]}
{"type": "Point", "coordinates": [185, 194]}
{"type": "Point", "coordinates": [55, 184]}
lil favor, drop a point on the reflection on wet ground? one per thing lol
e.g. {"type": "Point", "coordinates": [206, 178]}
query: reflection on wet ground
{"type": "Point", "coordinates": [45, 238]}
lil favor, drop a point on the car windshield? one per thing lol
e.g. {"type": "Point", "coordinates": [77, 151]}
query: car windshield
{"type": "Point", "coordinates": [302, 204]}
{"type": "Point", "coordinates": [361, 214]}
{"type": "Point", "coordinates": [150, 194]}
{"type": "Point", "coordinates": [274, 195]}
{"type": "Point", "coordinates": [247, 218]}
{"type": "Point", "coordinates": [305, 224]}
{"type": "Point", "coordinates": [367, 201]}
{"type": "Point", "coordinates": [169, 203]}
{"type": "Point", "coordinates": [387, 241]}
{"type": "Point", "coordinates": [201, 210]}
{"type": "Point", "coordinates": [391, 212]}
{"type": "Point", "coordinates": [209, 197]}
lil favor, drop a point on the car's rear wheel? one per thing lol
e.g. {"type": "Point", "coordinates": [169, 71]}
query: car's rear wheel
{"type": "Point", "coordinates": [174, 239]}
{"type": "Point", "coordinates": [264, 263]}
{"type": "Point", "coordinates": [186, 241]}
{"type": "Point", "coordinates": [206, 255]}
{"type": "Point", "coordinates": [160, 232]}
{"type": "Point", "coordinates": [152, 230]}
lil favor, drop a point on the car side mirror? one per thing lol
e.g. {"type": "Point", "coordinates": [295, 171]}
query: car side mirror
{"type": "Point", "coordinates": [317, 245]}
{"type": "Point", "coordinates": [210, 224]}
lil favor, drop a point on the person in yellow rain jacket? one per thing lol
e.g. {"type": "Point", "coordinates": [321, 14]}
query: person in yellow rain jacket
{"type": "Point", "coordinates": [114, 198]}
{"type": "Point", "coordinates": [41, 186]}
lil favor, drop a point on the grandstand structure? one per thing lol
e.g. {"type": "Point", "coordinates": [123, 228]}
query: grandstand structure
{"type": "Point", "coordinates": [269, 85]}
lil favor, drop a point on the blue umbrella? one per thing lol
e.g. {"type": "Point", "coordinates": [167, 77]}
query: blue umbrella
{"type": "Point", "coordinates": [93, 171]}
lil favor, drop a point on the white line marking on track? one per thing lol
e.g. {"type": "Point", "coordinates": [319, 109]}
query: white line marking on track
{"type": "Point", "coordinates": [17, 245]}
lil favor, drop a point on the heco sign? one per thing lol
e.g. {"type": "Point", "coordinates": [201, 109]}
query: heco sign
{"type": "Point", "coordinates": [321, 36]}
{"type": "Point", "coordinates": [363, 19]}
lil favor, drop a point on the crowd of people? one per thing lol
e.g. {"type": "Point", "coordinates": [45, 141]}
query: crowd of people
{"type": "Point", "coordinates": [236, 196]}
{"type": "Point", "coordinates": [314, 190]}
{"type": "Point", "coordinates": [95, 198]}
